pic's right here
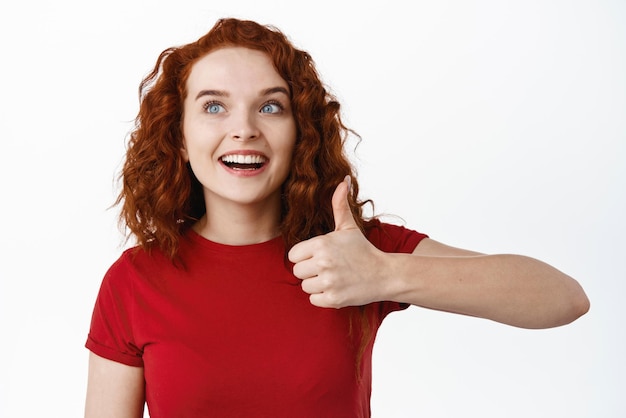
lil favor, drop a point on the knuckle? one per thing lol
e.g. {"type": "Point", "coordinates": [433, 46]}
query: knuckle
{"type": "Point", "coordinates": [333, 300]}
{"type": "Point", "coordinates": [328, 283]}
{"type": "Point", "coordinates": [326, 261]}
{"type": "Point", "coordinates": [318, 243]}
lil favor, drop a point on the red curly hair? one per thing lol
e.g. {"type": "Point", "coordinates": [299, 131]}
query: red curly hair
{"type": "Point", "coordinates": [160, 196]}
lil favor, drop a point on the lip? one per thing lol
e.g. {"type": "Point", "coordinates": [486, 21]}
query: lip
{"type": "Point", "coordinates": [244, 172]}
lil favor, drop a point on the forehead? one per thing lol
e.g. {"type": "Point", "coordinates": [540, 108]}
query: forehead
{"type": "Point", "coordinates": [234, 66]}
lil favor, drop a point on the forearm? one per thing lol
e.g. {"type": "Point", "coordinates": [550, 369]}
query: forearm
{"type": "Point", "coordinates": [510, 289]}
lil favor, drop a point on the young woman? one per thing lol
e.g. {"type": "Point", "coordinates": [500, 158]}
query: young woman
{"type": "Point", "coordinates": [249, 228]}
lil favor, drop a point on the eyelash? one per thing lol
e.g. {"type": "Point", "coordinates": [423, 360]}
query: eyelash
{"type": "Point", "coordinates": [207, 105]}
{"type": "Point", "coordinates": [276, 103]}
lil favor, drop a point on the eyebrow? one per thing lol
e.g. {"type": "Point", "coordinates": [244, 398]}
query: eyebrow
{"type": "Point", "coordinates": [218, 93]}
{"type": "Point", "coordinates": [221, 93]}
{"type": "Point", "coordinates": [272, 90]}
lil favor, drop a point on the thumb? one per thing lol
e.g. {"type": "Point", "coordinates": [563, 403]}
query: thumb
{"type": "Point", "coordinates": [341, 208]}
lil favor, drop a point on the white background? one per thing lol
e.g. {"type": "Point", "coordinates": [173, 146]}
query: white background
{"type": "Point", "coordinates": [498, 126]}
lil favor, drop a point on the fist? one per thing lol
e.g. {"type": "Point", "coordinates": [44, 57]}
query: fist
{"type": "Point", "coordinates": [340, 268]}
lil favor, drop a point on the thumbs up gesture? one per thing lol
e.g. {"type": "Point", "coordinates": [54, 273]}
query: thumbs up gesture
{"type": "Point", "coordinates": [340, 268]}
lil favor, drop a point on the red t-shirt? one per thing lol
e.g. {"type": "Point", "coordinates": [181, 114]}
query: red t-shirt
{"type": "Point", "coordinates": [233, 334]}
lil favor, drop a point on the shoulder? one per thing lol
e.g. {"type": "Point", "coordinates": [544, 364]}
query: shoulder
{"type": "Point", "coordinates": [131, 258]}
{"type": "Point", "coordinates": [135, 261]}
{"type": "Point", "coordinates": [392, 238]}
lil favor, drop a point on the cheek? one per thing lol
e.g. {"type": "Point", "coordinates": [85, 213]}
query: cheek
{"type": "Point", "coordinates": [195, 144]}
{"type": "Point", "coordinates": [290, 144]}
{"type": "Point", "coordinates": [191, 134]}
{"type": "Point", "coordinates": [287, 151]}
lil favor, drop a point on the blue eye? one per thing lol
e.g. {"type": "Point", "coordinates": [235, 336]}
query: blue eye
{"type": "Point", "coordinates": [213, 108]}
{"type": "Point", "coordinates": [271, 108]}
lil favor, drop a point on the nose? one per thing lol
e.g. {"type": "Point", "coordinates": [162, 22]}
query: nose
{"type": "Point", "coordinates": [244, 127]}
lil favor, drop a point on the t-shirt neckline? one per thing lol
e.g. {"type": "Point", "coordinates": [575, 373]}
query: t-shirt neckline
{"type": "Point", "coordinates": [196, 238]}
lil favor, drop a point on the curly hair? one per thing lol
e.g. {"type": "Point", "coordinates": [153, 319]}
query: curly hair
{"type": "Point", "coordinates": [161, 198]}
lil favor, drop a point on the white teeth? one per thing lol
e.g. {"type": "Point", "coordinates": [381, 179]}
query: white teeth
{"type": "Point", "coordinates": [243, 159]}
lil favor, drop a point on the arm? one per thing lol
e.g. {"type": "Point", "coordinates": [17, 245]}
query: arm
{"type": "Point", "coordinates": [511, 289]}
{"type": "Point", "coordinates": [342, 268]}
{"type": "Point", "coordinates": [113, 389]}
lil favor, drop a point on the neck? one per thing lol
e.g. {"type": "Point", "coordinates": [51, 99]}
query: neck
{"type": "Point", "coordinates": [237, 224]}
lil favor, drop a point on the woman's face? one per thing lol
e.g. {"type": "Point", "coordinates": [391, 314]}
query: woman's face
{"type": "Point", "coordinates": [238, 127]}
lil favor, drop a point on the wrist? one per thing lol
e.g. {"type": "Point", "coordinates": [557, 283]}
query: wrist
{"type": "Point", "coordinates": [399, 277]}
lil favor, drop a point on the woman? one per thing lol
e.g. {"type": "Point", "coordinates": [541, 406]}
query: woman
{"type": "Point", "coordinates": [248, 223]}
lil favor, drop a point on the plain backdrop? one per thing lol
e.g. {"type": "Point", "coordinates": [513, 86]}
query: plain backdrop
{"type": "Point", "coordinates": [498, 126]}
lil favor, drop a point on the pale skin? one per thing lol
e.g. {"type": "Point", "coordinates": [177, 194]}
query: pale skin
{"type": "Point", "coordinates": [340, 268]}
{"type": "Point", "coordinates": [114, 389]}
{"type": "Point", "coordinates": [238, 105]}
{"type": "Point", "coordinates": [343, 269]}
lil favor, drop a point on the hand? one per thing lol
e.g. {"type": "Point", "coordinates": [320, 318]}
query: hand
{"type": "Point", "coordinates": [340, 268]}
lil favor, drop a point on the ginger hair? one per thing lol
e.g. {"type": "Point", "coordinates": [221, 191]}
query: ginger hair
{"type": "Point", "coordinates": [161, 198]}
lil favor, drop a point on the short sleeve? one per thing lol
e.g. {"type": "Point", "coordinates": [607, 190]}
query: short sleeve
{"type": "Point", "coordinates": [111, 331]}
{"type": "Point", "coordinates": [393, 238]}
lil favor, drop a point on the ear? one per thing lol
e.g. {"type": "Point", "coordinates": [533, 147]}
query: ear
{"type": "Point", "coordinates": [184, 153]}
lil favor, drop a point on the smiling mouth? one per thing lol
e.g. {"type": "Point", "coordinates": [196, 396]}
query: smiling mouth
{"type": "Point", "coordinates": [243, 162]}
